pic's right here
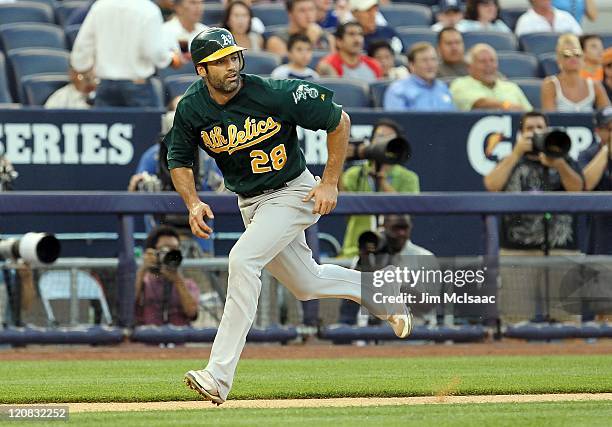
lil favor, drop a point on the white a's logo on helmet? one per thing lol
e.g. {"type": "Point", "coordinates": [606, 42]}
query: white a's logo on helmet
{"type": "Point", "coordinates": [227, 40]}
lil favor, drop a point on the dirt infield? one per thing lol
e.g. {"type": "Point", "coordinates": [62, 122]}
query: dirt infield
{"type": "Point", "coordinates": [319, 403]}
{"type": "Point", "coordinates": [310, 351]}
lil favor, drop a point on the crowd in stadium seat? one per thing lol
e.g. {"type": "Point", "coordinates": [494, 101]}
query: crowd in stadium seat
{"type": "Point", "coordinates": [42, 41]}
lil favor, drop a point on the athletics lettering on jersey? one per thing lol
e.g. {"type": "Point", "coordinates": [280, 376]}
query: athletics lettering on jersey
{"type": "Point", "coordinates": [253, 133]}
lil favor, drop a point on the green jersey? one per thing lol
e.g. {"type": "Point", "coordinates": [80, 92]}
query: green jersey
{"type": "Point", "coordinates": [253, 136]}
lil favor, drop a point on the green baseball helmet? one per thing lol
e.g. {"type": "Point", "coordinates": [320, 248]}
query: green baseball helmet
{"type": "Point", "coordinates": [212, 44]}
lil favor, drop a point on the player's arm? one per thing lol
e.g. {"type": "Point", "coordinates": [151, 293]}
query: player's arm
{"type": "Point", "coordinates": [325, 193]}
{"type": "Point", "coordinates": [184, 183]}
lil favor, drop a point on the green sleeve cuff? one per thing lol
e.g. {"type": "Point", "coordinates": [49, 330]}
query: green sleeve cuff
{"type": "Point", "coordinates": [334, 117]}
{"type": "Point", "coordinates": [173, 164]}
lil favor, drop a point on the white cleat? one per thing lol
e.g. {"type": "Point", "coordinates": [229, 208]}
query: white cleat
{"type": "Point", "coordinates": [204, 384]}
{"type": "Point", "coordinates": [401, 323]}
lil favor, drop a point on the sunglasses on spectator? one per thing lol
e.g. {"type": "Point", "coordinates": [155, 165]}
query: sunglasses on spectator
{"type": "Point", "coordinates": [571, 53]}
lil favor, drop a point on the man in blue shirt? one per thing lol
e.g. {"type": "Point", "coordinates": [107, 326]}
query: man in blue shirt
{"type": "Point", "coordinates": [420, 91]}
{"type": "Point", "coordinates": [596, 164]}
{"type": "Point", "coordinates": [364, 12]}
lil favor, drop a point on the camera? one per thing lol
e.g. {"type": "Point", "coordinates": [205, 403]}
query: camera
{"type": "Point", "coordinates": [374, 252]}
{"type": "Point", "coordinates": [168, 257]}
{"type": "Point", "coordinates": [555, 142]}
{"type": "Point", "coordinates": [394, 151]}
{"type": "Point", "coordinates": [35, 248]}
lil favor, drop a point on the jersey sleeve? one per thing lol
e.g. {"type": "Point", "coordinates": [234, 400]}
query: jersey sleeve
{"type": "Point", "coordinates": [181, 142]}
{"type": "Point", "coordinates": [308, 105]}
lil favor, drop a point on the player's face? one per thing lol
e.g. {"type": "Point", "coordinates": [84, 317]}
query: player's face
{"type": "Point", "coordinates": [223, 74]}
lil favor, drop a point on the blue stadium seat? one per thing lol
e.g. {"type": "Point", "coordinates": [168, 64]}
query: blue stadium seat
{"type": "Point", "coordinates": [169, 71]}
{"type": "Point", "coordinates": [349, 93]}
{"type": "Point", "coordinates": [27, 61]}
{"type": "Point", "coordinates": [606, 38]}
{"type": "Point", "coordinates": [50, 3]}
{"type": "Point", "coordinates": [539, 43]}
{"type": "Point", "coordinates": [5, 94]}
{"type": "Point", "coordinates": [273, 29]}
{"type": "Point", "coordinates": [71, 32]}
{"type": "Point", "coordinates": [531, 88]}
{"type": "Point", "coordinates": [548, 64]}
{"type": "Point", "coordinates": [177, 85]}
{"type": "Point", "coordinates": [377, 92]}
{"type": "Point", "coordinates": [510, 15]}
{"type": "Point", "coordinates": [499, 41]}
{"type": "Point", "coordinates": [15, 36]}
{"type": "Point", "coordinates": [317, 55]}
{"type": "Point", "coordinates": [65, 8]}
{"type": "Point", "coordinates": [411, 35]}
{"type": "Point", "coordinates": [213, 13]}
{"type": "Point", "coordinates": [406, 14]}
{"type": "Point", "coordinates": [271, 13]}
{"type": "Point", "coordinates": [39, 87]}
{"type": "Point", "coordinates": [518, 65]}
{"type": "Point", "coordinates": [260, 62]}
{"type": "Point", "coordinates": [11, 13]}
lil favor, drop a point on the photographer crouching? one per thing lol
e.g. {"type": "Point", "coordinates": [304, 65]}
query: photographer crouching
{"type": "Point", "coordinates": [163, 295]}
{"type": "Point", "coordinates": [539, 161]}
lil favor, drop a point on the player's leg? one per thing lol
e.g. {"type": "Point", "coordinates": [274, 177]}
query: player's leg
{"type": "Point", "coordinates": [295, 268]}
{"type": "Point", "coordinates": [272, 226]}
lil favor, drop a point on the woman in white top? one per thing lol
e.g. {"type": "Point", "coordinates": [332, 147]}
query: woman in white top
{"type": "Point", "coordinates": [568, 92]}
{"type": "Point", "coordinates": [482, 15]}
{"type": "Point", "coordinates": [237, 19]}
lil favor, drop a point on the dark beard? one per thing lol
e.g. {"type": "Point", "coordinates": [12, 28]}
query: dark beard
{"type": "Point", "coordinates": [224, 85]}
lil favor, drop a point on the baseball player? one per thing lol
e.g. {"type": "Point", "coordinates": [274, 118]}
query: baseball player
{"type": "Point", "coordinates": [248, 125]}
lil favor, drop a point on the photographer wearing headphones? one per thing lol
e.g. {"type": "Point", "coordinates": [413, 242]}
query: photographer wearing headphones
{"type": "Point", "coordinates": [538, 162]}
{"type": "Point", "coordinates": [597, 169]}
{"type": "Point", "coordinates": [381, 172]}
{"type": "Point", "coordinates": [163, 295]}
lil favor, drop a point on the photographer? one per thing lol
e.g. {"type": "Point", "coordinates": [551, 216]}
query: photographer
{"type": "Point", "coordinates": [372, 176]}
{"type": "Point", "coordinates": [528, 168]}
{"type": "Point", "coordinates": [163, 295]}
{"type": "Point", "coordinates": [597, 169]}
{"type": "Point", "coordinates": [393, 246]}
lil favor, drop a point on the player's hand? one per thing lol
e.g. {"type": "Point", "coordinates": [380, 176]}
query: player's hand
{"type": "Point", "coordinates": [325, 197]}
{"type": "Point", "coordinates": [197, 214]}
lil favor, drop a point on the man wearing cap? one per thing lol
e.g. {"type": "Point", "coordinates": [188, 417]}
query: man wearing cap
{"type": "Point", "coordinates": [364, 12]}
{"type": "Point", "coordinates": [596, 162]}
{"type": "Point", "coordinates": [247, 124]}
{"type": "Point", "coordinates": [449, 14]}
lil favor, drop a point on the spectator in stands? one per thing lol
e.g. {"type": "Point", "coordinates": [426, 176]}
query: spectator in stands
{"type": "Point", "coordinates": [452, 54]}
{"type": "Point", "coordinates": [300, 55]}
{"type": "Point", "coordinates": [381, 51]}
{"type": "Point", "coordinates": [578, 8]}
{"type": "Point", "coordinates": [533, 234]}
{"type": "Point", "coordinates": [420, 91]}
{"type": "Point", "coordinates": [568, 92]}
{"type": "Point", "coordinates": [542, 17]}
{"type": "Point", "coordinates": [77, 95]}
{"type": "Point", "coordinates": [606, 61]}
{"type": "Point", "coordinates": [237, 19]}
{"type": "Point", "coordinates": [483, 89]}
{"type": "Point", "coordinates": [123, 42]}
{"type": "Point", "coordinates": [327, 17]}
{"type": "Point", "coordinates": [593, 48]}
{"type": "Point", "coordinates": [372, 177]}
{"type": "Point", "coordinates": [596, 163]}
{"type": "Point", "coordinates": [17, 292]}
{"type": "Point", "coordinates": [450, 13]}
{"type": "Point", "coordinates": [482, 15]}
{"type": "Point", "coordinates": [365, 12]}
{"type": "Point", "coordinates": [185, 24]}
{"type": "Point", "coordinates": [348, 61]}
{"type": "Point", "coordinates": [257, 24]}
{"type": "Point", "coordinates": [166, 7]}
{"type": "Point", "coordinates": [163, 295]}
{"type": "Point", "coordinates": [302, 20]}
{"type": "Point", "coordinates": [398, 250]}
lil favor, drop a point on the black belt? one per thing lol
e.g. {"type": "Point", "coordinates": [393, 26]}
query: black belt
{"type": "Point", "coordinates": [259, 193]}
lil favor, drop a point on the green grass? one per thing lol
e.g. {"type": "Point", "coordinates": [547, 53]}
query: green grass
{"type": "Point", "coordinates": [161, 380]}
{"type": "Point", "coordinates": [558, 414]}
